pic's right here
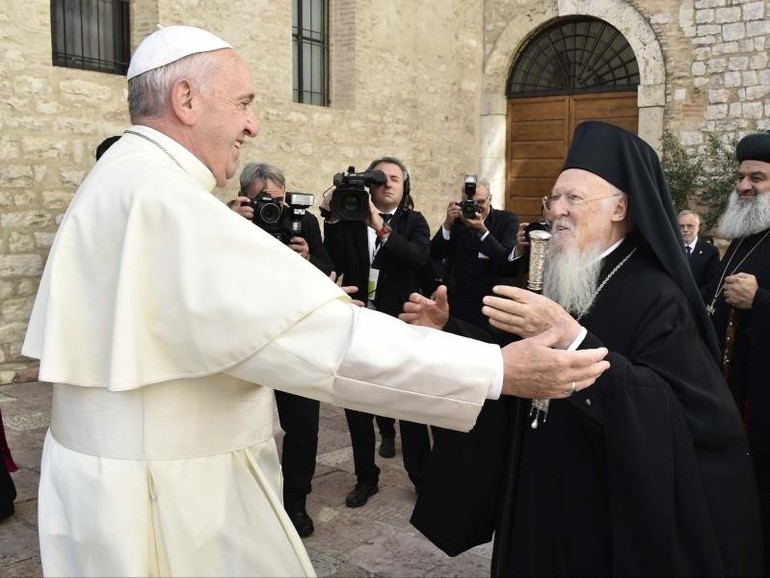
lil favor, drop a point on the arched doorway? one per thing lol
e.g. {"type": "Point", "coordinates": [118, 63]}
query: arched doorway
{"type": "Point", "coordinates": [573, 69]}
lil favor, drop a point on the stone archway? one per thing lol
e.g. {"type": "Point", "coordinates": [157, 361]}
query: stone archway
{"type": "Point", "coordinates": [621, 15]}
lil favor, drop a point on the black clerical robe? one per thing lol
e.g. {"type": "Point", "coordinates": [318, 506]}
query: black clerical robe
{"type": "Point", "coordinates": [747, 373]}
{"type": "Point", "coordinates": [746, 353]}
{"type": "Point", "coordinates": [646, 472]}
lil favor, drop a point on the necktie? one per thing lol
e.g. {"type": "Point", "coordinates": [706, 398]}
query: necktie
{"type": "Point", "coordinates": [688, 249]}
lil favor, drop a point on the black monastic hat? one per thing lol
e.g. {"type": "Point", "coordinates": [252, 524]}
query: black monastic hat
{"type": "Point", "coordinates": [630, 164]}
{"type": "Point", "coordinates": [754, 147]}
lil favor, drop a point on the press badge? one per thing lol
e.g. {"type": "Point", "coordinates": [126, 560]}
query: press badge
{"type": "Point", "coordinates": [371, 292]}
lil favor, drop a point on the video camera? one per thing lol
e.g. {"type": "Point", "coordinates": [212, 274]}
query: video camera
{"type": "Point", "coordinates": [469, 207]}
{"type": "Point", "coordinates": [270, 216]}
{"type": "Point", "coordinates": [350, 199]}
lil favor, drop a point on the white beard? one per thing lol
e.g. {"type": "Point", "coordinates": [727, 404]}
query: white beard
{"type": "Point", "coordinates": [571, 276]}
{"type": "Point", "coordinates": [744, 217]}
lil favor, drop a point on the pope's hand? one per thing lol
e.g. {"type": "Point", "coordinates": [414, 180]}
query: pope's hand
{"type": "Point", "coordinates": [534, 369]}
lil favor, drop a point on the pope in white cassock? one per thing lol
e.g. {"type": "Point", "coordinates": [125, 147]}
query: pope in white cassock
{"type": "Point", "coordinates": [160, 457]}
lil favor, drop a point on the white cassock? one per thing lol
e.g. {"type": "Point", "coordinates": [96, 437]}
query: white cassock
{"type": "Point", "coordinates": [164, 319]}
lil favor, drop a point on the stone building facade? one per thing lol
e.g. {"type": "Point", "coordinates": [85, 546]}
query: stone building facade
{"type": "Point", "coordinates": [424, 81]}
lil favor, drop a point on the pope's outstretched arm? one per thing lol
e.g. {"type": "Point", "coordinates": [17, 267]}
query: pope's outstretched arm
{"type": "Point", "coordinates": [372, 362]}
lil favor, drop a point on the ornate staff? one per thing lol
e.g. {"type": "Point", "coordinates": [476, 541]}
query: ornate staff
{"type": "Point", "coordinates": [538, 244]}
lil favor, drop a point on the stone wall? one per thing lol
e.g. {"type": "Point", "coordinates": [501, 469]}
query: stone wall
{"type": "Point", "coordinates": [405, 80]}
{"type": "Point", "coordinates": [420, 80]}
{"type": "Point", "coordinates": [715, 51]}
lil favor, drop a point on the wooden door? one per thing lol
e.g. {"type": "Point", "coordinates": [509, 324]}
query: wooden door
{"type": "Point", "coordinates": [539, 134]}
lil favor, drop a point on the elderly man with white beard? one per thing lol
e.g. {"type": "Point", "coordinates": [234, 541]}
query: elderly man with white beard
{"type": "Point", "coordinates": [739, 300]}
{"type": "Point", "coordinates": [645, 472]}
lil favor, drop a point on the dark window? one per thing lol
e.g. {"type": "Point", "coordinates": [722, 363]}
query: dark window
{"type": "Point", "coordinates": [91, 34]}
{"type": "Point", "coordinates": [572, 56]}
{"type": "Point", "coordinates": [311, 51]}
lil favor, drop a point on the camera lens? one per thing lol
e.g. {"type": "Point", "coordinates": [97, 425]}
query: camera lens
{"type": "Point", "coordinates": [350, 204]}
{"type": "Point", "coordinates": [468, 209]}
{"type": "Point", "coordinates": [270, 213]}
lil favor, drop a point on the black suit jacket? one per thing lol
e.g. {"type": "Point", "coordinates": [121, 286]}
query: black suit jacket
{"type": "Point", "coordinates": [400, 260]}
{"type": "Point", "coordinates": [469, 277]}
{"type": "Point", "coordinates": [704, 261]}
{"type": "Point", "coordinates": [311, 231]}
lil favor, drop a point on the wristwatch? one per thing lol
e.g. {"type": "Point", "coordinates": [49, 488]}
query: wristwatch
{"type": "Point", "coordinates": [383, 231]}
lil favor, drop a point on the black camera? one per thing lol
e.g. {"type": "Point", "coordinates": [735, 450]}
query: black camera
{"type": "Point", "coordinates": [297, 205]}
{"type": "Point", "coordinates": [282, 223]}
{"type": "Point", "coordinates": [267, 212]}
{"type": "Point", "coordinates": [268, 215]}
{"type": "Point", "coordinates": [350, 199]}
{"type": "Point", "coordinates": [468, 207]}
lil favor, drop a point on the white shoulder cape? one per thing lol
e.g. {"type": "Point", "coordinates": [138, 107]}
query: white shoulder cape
{"type": "Point", "coordinates": [151, 278]}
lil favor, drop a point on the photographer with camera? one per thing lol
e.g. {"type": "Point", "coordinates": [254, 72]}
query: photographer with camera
{"type": "Point", "coordinates": [381, 246]}
{"type": "Point", "coordinates": [475, 240]}
{"type": "Point", "coordinates": [262, 201]}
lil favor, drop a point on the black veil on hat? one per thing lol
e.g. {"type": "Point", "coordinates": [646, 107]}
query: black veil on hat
{"type": "Point", "coordinates": [630, 164]}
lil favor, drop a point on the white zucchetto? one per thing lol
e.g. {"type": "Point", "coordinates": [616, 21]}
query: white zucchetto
{"type": "Point", "coordinates": [169, 44]}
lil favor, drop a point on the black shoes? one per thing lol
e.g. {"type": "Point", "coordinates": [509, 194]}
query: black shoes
{"type": "Point", "coordinates": [361, 494]}
{"type": "Point", "coordinates": [302, 522]}
{"type": "Point", "coordinates": [388, 447]}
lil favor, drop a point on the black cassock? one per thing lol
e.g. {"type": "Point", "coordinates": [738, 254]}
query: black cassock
{"type": "Point", "coordinates": [747, 372]}
{"type": "Point", "coordinates": [644, 473]}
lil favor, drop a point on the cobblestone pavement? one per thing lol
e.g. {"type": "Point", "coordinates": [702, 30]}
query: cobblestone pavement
{"type": "Point", "coordinates": [375, 540]}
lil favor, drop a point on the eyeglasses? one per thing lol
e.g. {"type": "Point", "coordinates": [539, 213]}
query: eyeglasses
{"type": "Point", "coordinates": [572, 200]}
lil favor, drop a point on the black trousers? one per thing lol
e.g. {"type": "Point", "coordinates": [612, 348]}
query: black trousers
{"type": "Point", "coordinates": [386, 425]}
{"type": "Point", "coordinates": [415, 446]}
{"type": "Point", "coordinates": [299, 419]}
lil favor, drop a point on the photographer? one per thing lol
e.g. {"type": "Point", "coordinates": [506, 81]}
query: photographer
{"type": "Point", "coordinates": [298, 415]}
{"type": "Point", "coordinates": [475, 249]}
{"type": "Point", "coordinates": [383, 254]}
{"type": "Point", "coordinates": [259, 178]}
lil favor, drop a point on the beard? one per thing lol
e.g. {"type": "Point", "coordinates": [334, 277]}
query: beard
{"type": "Point", "coordinates": [571, 276]}
{"type": "Point", "coordinates": [744, 217]}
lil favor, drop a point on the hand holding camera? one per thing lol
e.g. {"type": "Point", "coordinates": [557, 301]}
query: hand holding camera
{"type": "Point", "coordinates": [468, 207]}
{"type": "Point", "coordinates": [452, 214]}
{"type": "Point", "coordinates": [283, 220]}
{"type": "Point", "coordinates": [470, 210]}
{"type": "Point", "coordinates": [242, 206]}
{"type": "Point", "coordinates": [300, 246]}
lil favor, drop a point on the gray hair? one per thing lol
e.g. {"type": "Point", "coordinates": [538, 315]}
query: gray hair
{"type": "Point", "coordinates": [260, 172]}
{"type": "Point", "coordinates": [687, 212]}
{"type": "Point", "coordinates": [148, 93]}
{"type": "Point", "coordinates": [485, 183]}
